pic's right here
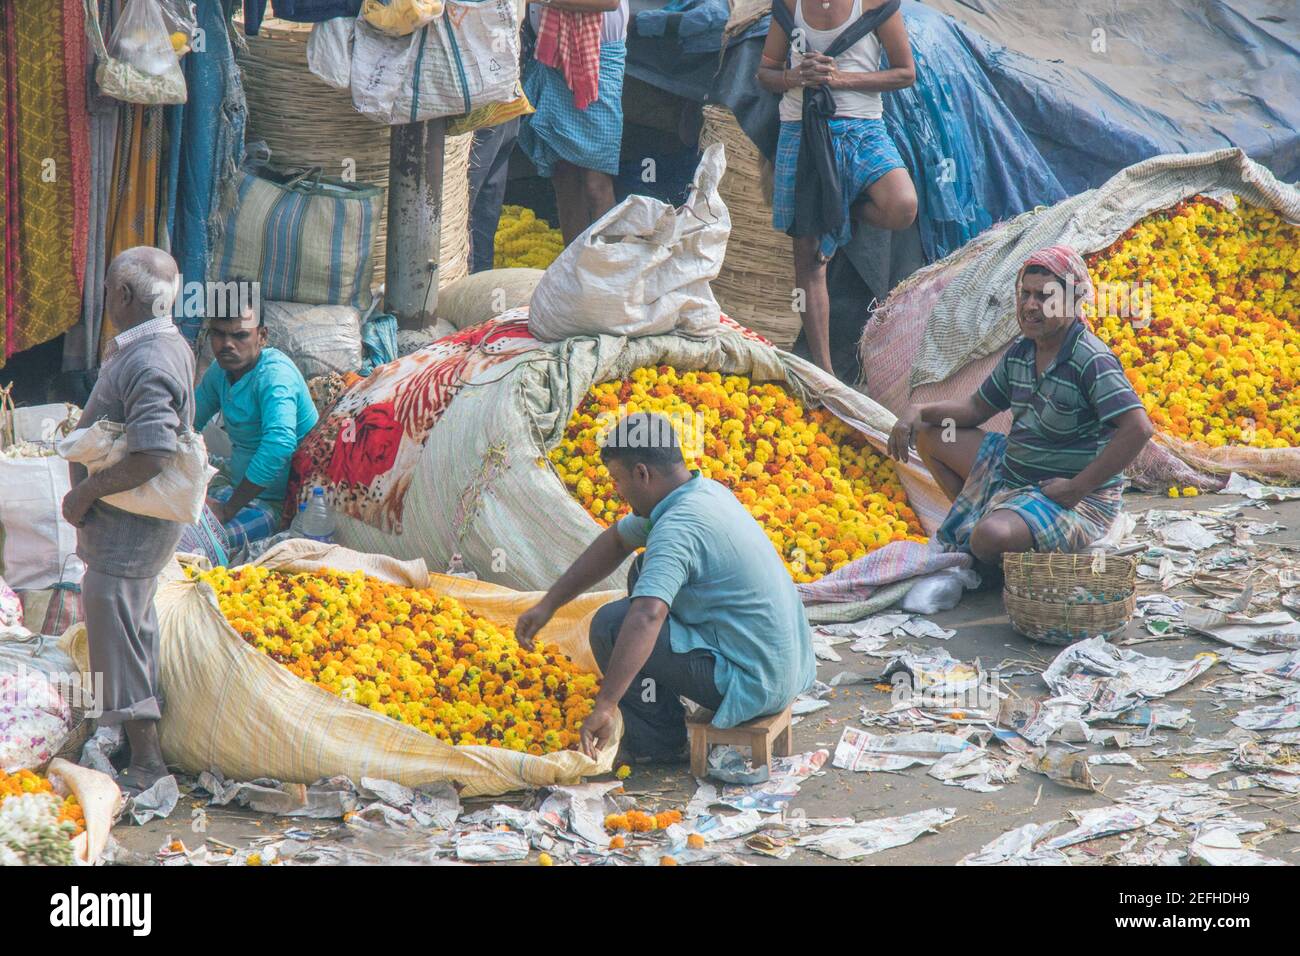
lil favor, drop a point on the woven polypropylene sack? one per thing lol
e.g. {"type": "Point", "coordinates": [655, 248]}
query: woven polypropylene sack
{"type": "Point", "coordinates": [485, 295]}
{"type": "Point", "coordinates": [941, 331]}
{"type": "Point", "coordinates": [484, 489]}
{"type": "Point", "coordinates": [231, 708]}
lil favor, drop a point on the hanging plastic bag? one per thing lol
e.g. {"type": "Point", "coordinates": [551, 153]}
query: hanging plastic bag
{"type": "Point", "coordinates": [138, 64]}
{"type": "Point", "coordinates": [399, 18]}
{"type": "Point", "coordinates": [182, 22]}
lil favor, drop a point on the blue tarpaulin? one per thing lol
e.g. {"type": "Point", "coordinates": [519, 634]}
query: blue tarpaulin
{"type": "Point", "coordinates": [1099, 87]}
{"type": "Point", "coordinates": [1030, 97]}
{"type": "Point", "coordinates": [970, 160]}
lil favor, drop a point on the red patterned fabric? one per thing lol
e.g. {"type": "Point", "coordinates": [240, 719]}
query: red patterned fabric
{"type": "Point", "coordinates": [364, 450]}
{"type": "Point", "coordinates": [570, 42]}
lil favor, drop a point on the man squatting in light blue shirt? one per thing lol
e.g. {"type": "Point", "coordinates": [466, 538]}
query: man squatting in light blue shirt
{"type": "Point", "coordinates": [711, 613]}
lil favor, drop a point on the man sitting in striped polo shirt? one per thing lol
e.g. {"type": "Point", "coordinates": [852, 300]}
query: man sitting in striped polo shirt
{"type": "Point", "coordinates": [1055, 482]}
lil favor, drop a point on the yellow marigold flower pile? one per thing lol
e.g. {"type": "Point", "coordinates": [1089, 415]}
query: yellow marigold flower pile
{"type": "Point", "coordinates": [1220, 360]}
{"type": "Point", "coordinates": [637, 821]}
{"type": "Point", "coordinates": [823, 496]}
{"type": "Point", "coordinates": [24, 781]}
{"type": "Point", "coordinates": [410, 654]}
{"type": "Point", "coordinates": [524, 241]}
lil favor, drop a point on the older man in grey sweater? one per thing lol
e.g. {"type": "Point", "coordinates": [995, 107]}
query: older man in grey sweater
{"type": "Point", "coordinates": [147, 384]}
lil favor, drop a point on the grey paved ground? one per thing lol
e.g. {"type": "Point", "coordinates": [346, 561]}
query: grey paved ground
{"type": "Point", "coordinates": [982, 631]}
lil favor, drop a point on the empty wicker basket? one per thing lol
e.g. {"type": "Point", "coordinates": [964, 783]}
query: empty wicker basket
{"type": "Point", "coordinates": [1064, 598]}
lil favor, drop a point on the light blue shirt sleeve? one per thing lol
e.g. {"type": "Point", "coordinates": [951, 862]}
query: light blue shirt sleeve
{"type": "Point", "coordinates": [270, 463]}
{"type": "Point", "coordinates": [634, 530]}
{"type": "Point", "coordinates": [207, 397]}
{"type": "Point", "coordinates": [667, 565]}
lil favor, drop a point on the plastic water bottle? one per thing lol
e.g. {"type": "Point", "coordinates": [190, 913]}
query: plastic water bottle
{"type": "Point", "coordinates": [318, 519]}
{"type": "Point", "coordinates": [295, 526]}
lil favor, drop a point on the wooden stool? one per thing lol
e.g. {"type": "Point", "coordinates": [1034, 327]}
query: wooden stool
{"type": "Point", "coordinates": [765, 736]}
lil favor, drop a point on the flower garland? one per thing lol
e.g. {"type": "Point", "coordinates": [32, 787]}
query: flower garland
{"type": "Point", "coordinates": [524, 241]}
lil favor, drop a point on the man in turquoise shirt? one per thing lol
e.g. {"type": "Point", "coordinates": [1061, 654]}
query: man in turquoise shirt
{"type": "Point", "coordinates": [265, 410]}
{"type": "Point", "coordinates": [711, 612]}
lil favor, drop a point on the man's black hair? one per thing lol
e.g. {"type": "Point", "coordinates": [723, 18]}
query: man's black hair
{"type": "Point", "coordinates": [254, 304]}
{"type": "Point", "coordinates": [643, 438]}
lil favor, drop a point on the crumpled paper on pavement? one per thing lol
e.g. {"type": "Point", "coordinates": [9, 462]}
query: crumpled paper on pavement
{"type": "Point", "coordinates": [1111, 680]}
{"type": "Point", "coordinates": [861, 750]}
{"type": "Point", "coordinates": [1280, 716]}
{"type": "Point", "coordinates": [157, 802]}
{"type": "Point", "coordinates": [872, 836]}
{"type": "Point", "coordinates": [433, 805]}
{"type": "Point", "coordinates": [1018, 847]}
{"type": "Point", "coordinates": [1221, 847]}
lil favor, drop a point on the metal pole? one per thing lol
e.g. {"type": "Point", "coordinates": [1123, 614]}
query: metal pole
{"type": "Point", "coordinates": [414, 221]}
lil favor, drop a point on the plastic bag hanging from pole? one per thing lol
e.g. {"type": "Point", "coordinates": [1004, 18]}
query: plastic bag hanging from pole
{"type": "Point", "coordinates": [139, 63]}
{"type": "Point", "coordinates": [641, 269]}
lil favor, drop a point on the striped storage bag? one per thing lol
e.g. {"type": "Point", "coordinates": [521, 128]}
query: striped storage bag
{"type": "Point", "coordinates": [305, 238]}
{"type": "Point", "coordinates": [465, 59]}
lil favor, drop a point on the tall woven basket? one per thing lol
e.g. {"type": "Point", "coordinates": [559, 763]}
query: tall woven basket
{"type": "Point", "coordinates": [757, 277]}
{"type": "Point", "coordinates": [306, 122]}
{"type": "Point", "coordinates": [1063, 598]}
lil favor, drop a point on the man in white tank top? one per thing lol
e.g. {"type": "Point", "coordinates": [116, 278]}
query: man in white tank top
{"type": "Point", "coordinates": [876, 185]}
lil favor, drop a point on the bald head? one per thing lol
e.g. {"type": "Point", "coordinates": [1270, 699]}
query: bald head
{"type": "Point", "coordinates": [140, 285]}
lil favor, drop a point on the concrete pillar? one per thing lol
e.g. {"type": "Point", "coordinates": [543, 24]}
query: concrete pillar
{"type": "Point", "coordinates": [414, 221]}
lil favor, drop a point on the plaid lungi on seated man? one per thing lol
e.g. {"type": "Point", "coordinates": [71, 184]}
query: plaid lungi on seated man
{"type": "Point", "coordinates": [1055, 482]}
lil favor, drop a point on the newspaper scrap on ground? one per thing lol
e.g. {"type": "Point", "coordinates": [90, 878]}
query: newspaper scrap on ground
{"type": "Point", "coordinates": [1257, 491]}
{"type": "Point", "coordinates": [771, 795]}
{"type": "Point", "coordinates": [860, 750]}
{"type": "Point", "coordinates": [1221, 847]}
{"type": "Point", "coordinates": [1111, 680]}
{"type": "Point", "coordinates": [1281, 716]}
{"type": "Point", "coordinates": [871, 836]}
{"type": "Point", "coordinates": [1019, 847]}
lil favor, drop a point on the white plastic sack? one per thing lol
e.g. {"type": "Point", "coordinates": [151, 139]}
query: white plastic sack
{"type": "Point", "coordinates": [318, 338]}
{"type": "Point", "coordinates": [641, 269]}
{"type": "Point", "coordinates": [37, 547]}
{"type": "Point", "coordinates": [485, 295]}
{"type": "Point", "coordinates": [329, 51]}
{"type": "Point", "coordinates": [174, 494]}
{"type": "Point", "coordinates": [44, 423]}
{"type": "Point", "coordinates": [483, 488]}
{"type": "Point", "coordinates": [466, 58]}
{"type": "Point", "coordinates": [940, 591]}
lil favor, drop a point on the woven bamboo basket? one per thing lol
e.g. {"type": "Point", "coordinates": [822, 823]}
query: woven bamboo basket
{"type": "Point", "coordinates": [1064, 598]}
{"type": "Point", "coordinates": [306, 122]}
{"type": "Point", "coordinates": [757, 277]}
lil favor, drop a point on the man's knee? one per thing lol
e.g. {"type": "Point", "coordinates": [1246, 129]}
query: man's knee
{"type": "Point", "coordinates": [604, 628]}
{"type": "Point", "coordinates": [993, 537]}
{"type": "Point", "coordinates": [597, 187]}
{"type": "Point", "coordinates": [900, 210]}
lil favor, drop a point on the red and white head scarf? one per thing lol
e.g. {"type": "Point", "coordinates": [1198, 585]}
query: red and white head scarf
{"type": "Point", "coordinates": [1068, 266]}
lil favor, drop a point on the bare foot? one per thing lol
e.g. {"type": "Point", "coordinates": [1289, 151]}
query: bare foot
{"type": "Point", "coordinates": [135, 780]}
